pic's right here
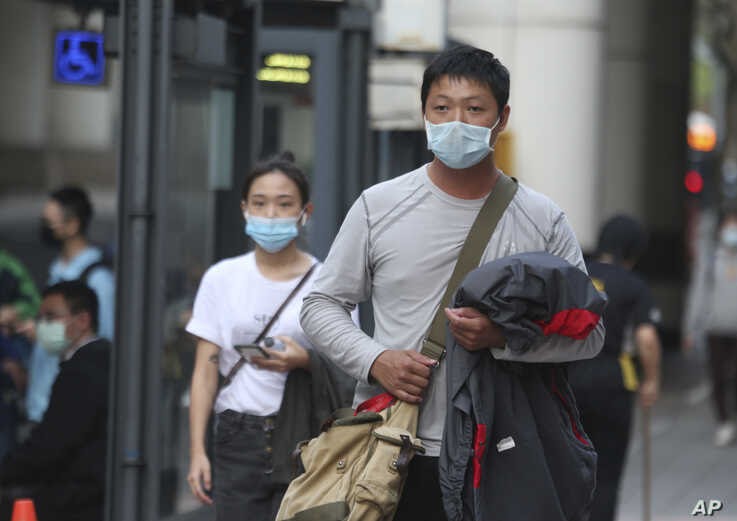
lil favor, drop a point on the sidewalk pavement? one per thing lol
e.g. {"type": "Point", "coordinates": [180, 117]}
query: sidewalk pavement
{"type": "Point", "coordinates": [686, 467]}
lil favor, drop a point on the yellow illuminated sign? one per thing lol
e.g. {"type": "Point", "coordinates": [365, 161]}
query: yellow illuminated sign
{"type": "Point", "coordinates": [288, 61]}
{"type": "Point", "coordinates": [281, 67]}
{"type": "Point", "coordinates": [283, 75]}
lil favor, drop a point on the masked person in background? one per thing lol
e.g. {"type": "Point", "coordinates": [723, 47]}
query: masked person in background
{"type": "Point", "coordinates": [61, 465]}
{"type": "Point", "coordinates": [712, 311]}
{"type": "Point", "coordinates": [261, 408]}
{"type": "Point", "coordinates": [66, 218]}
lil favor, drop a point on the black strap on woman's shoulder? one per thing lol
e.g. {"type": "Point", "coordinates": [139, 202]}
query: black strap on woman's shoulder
{"type": "Point", "coordinates": [241, 361]}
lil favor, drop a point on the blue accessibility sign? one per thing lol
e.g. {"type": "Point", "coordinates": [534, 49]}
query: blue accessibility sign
{"type": "Point", "coordinates": [79, 58]}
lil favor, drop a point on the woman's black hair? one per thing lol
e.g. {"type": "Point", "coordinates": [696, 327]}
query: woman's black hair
{"type": "Point", "coordinates": [283, 163]}
{"type": "Point", "coordinates": [622, 237]}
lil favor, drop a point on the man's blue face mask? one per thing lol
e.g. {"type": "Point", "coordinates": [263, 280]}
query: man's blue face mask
{"type": "Point", "coordinates": [273, 234]}
{"type": "Point", "coordinates": [459, 145]}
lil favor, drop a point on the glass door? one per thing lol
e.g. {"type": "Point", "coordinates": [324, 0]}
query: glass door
{"type": "Point", "coordinates": [200, 159]}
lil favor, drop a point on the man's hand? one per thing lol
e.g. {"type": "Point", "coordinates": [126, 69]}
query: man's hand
{"type": "Point", "coordinates": [294, 356]}
{"type": "Point", "coordinates": [16, 372]}
{"type": "Point", "coordinates": [27, 328]}
{"type": "Point", "coordinates": [473, 330]}
{"type": "Point", "coordinates": [404, 374]}
{"type": "Point", "coordinates": [649, 392]}
{"type": "Point", "coordinates": [199, 477]}
{"type": "Point", "coordinates": [8, 318]}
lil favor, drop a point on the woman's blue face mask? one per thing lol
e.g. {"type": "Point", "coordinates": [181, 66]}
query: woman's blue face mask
{"type": "Point", "coordinates": [273, 234]}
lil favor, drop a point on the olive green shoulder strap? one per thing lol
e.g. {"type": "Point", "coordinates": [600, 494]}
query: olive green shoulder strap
{"type": "Point", "coordinates": [478, 237]}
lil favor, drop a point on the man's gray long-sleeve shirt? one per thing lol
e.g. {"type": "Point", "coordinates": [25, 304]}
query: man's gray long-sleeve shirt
{"type": "Point", "coordinates": [398, 246]}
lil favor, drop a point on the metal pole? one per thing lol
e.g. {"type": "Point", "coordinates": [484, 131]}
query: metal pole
{"type": "Point", "coordinates": [154, 301]}
{"type": "Point", "coordinates": [355, 87]}
{"type": "Point", "coordinates": [646, 465]}
{"type": "Point", "coordinates": [137, 276]}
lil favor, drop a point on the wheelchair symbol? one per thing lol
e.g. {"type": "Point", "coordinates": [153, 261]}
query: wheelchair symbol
{"type": "Point", "coordinates": [79, 58]}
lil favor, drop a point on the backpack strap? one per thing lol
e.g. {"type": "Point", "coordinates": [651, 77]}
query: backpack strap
{"type": "Point", "coordinates": [433, 345]}
{"type": "Point", "coordinates": [102, 263]}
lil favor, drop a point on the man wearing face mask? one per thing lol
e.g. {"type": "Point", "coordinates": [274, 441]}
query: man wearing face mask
{"type": "Point", "coordinates": [61, 466]}
{"type": "Point", "coordinates": [66, 217]}
{"type": "Point", "coordinates": [399, 244]}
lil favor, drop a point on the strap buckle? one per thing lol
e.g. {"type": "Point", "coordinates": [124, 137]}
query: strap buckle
{"type": "Point", "coordinates": [433, 350]}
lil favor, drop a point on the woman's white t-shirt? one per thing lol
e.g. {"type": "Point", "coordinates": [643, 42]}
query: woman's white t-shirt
{"type": "Point", "coordinates": [233, 304]}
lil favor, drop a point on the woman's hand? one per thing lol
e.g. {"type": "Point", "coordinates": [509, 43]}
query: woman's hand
{"type": "Point", "coordinates": [292, 357]}
{"type": "Point", "coordinates": [200, 477]}
{"type": "Point", "coordinates": [202, 395]}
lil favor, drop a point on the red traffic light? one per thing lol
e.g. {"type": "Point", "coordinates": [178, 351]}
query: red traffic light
{"type": "Point", "coordinates": [693, 182]}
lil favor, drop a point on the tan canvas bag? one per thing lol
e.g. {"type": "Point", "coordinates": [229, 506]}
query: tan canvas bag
{"type": "Point", "coordinates": [355, 469]}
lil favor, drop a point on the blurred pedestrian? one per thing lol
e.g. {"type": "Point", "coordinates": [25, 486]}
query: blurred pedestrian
{"type": "Point", "coordinates": [61, 465]}
{"type": "Point", "coordinates": [712, 312]}
{"type": "Point", "coordinates": [260, 415]}
{"type": "Point", "coordinates": [66, 218]}
{"type": "Point", "coordinates": [19, 300]}
{"type": "Point", "coordinates": [605, 386]}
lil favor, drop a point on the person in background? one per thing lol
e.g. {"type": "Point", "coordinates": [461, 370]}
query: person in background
{"type": "Point", "coordinates": [61, 466]}
{"type": "Point", "coordinates": [19, 300]}
{"type": "Point", "coordinates": [237, 297]}
{"type": "Point", "coordinates": [66, 218]}
{"type": "Point", "coordinates": [605, 386]}
{"type": "Point", "coordinates": [712, 311]}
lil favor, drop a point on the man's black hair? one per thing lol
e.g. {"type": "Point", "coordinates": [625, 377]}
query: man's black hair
{"type": "Point", "coordinates": [622, 237]}
{"type": "Point", "coordinates": [283, 163]}
{"type": "Point", "coordinates": [79, 297]}
{"type": "Point", "coordinates": [472, 64]}
{"type": "Point", "coordinates": [74, 203]}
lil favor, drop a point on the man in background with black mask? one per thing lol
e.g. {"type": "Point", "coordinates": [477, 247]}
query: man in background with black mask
{"type": "Point", "coordinates": [64, 223]}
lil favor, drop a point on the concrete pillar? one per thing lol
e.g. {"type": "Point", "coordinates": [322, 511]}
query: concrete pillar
{"type": "Point", "coordinates": [25, 47]}
{"type": "Point", "coordinates": [624, 125]}
{"type": "Point", "coordinates": [555, 54]}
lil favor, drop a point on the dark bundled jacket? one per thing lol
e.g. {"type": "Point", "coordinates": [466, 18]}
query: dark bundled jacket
{"type": "Point", "coordinates": [310, 397]}
{"type": "Point", "coordinates": [63, 460]}
{"type": "Point", "coordinates": [514, 448]}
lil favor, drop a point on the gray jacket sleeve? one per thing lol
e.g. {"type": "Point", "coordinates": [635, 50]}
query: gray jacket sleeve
{"type": "Point", "coordinates": [343, 282]}
{"type": "Point", "coordinates": [555, 348]}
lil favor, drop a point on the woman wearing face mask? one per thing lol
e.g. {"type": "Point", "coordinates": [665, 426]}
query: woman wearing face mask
{"type": "Point", "coordinates": [235, 306]}
{"type": "Point", "coordinates": [712, 311]}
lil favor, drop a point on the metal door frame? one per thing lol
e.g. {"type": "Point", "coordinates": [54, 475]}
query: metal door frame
{"type": "Point", "coordinates": [132, 492]}
{"type": "Point", "coordinates": [323, 47]}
